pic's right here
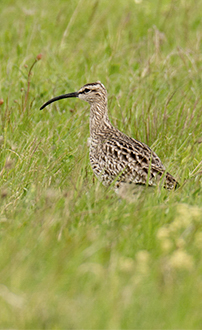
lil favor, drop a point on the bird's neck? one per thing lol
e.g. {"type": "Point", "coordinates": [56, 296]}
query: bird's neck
{"type": "Point", "coordinates": [99, 119]}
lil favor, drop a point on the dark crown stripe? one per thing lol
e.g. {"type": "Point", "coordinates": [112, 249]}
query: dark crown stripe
{"type": "Point", "coordinates": [94, 84]}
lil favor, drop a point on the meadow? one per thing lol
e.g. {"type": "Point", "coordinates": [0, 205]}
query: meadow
{"type": "Point", "coordinates": [73, 254]}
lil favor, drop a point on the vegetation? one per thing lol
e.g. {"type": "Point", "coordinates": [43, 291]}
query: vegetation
{"type": "Point", "coordinates": [73, 254]}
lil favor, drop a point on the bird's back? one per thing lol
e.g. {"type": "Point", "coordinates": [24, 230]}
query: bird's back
{"type": "Point", "coordinates": [117, 158]}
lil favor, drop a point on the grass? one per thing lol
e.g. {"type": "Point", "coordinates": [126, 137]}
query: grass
{"type": "Point", "coordinates": [72, 253]}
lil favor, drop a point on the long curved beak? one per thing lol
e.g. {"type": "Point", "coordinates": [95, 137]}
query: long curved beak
{"type": "Point", "coordinates": [64, 96]}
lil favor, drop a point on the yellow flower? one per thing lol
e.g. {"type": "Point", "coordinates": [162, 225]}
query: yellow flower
{"type": "Point", "coordinates": [163, 233]}
{"type": "Point", "coordinates": [181, 260]}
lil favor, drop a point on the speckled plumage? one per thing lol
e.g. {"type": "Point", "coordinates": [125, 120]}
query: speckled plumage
{"type": "Point", "coordinates": [115, 157]}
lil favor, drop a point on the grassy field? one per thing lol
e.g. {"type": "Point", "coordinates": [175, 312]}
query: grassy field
{"type": "Point", "coordinates": [73, 254]}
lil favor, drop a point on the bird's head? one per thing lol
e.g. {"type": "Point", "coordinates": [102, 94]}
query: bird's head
{"type": "Point", "coordinates": [92, 93]}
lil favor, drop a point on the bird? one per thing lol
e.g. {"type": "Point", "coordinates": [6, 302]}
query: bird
{"type": "Point", "coordinates": [117, 159]}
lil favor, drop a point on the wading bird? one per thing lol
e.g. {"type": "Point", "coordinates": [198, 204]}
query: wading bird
{"type": "Point", "coordinates": [116, 158]}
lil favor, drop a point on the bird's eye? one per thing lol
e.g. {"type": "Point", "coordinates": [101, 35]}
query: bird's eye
{"type": "Point", "coordinates": [86, 90]}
